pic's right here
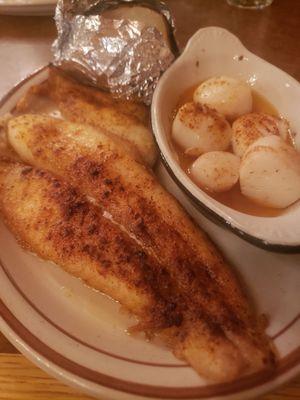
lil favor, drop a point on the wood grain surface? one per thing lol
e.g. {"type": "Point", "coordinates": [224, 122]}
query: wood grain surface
{"type": "Point", "coordinates": [21, 380]}
{"type": "Point", "coordinates": [272, 33]}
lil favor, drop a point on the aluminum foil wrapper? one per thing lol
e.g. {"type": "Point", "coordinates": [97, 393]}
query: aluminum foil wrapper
{"type": "Point", "coordinates": [123, 56]}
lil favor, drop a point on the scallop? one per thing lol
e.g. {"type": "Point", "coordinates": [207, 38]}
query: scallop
{"type": "Point", "coordinates": [229, 96]}
{"type": "Point", "coordinates": [216, 171]}
{"type": "Point", "coordinates": [250, 127]}
{"type": "Point", "coordinates": [270, 173]}
{"type": "Point", "coordinates": [199, 129]}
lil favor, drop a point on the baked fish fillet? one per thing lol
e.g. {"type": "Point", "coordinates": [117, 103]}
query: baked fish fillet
{"type": "Point", "coordinates": [51, 219]}
{"type": "Point", "coordinates": [119, 119]}
{"type": "Point", "coordinates": [131, 194]}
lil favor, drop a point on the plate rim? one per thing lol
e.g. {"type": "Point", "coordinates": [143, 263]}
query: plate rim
{"type": "Point", "coordinates": [64, 367]}
{"type": "Point", "coordinates": [29, 9]}
{"type": "Point", "coordinates": [58, 370]}
{"type": "Point", "coordinates": [13, 5]}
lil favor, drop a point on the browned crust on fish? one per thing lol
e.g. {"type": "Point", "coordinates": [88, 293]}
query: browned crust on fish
{"type": "Point", "coordinates": [51, 219]}
{"type": "Point", "coordinates": [131, 194]}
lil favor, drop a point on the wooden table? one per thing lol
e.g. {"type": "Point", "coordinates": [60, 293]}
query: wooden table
{"type": "Point", "coordinates": [25, 45]}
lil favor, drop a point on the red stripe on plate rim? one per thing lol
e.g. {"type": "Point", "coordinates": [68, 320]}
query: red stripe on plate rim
{"type": "Point", "coordinates": [248, 382]}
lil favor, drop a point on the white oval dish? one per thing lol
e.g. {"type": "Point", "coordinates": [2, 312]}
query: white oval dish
{"type": "Point", "coordinates": [79, 336]}
{"type": "Point", "coordinates": [213, 52]}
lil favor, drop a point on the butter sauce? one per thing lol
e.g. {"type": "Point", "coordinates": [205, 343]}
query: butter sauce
{"type": "Point", "coordinates": [232, 198]}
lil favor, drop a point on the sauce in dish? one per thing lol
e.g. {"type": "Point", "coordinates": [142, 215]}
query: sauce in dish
{"type": "Point", "coordinates": [233, 197]}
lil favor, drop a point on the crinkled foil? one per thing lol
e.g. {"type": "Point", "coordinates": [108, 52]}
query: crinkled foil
{"type": "Point", "coordinates": [120, 55]}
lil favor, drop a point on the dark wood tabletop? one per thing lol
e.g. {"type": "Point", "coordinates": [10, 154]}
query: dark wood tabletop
{"type": "Point", "coordinates": [272, 33]}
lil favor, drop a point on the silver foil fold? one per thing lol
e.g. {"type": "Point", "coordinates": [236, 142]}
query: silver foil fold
{"type": "Point", "coordinates": [123, 56]}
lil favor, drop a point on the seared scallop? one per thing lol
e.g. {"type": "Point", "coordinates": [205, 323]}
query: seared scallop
{"type": "Point", "coordinates": [198, 129]}
{"type": "Point", "coordinates": [250, 127]}
{"type": "Point", "coordinates": [230, 97]}
{"type": "Point", "coordinates": [217, 171]}
{"type": "Point", "coordinates": [270, 172]}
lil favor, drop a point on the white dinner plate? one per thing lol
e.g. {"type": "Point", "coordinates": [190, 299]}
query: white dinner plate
{"type": "Point", "coordinates": [27, 7]}
{"type": "Point", "coordinates": [79, 335]}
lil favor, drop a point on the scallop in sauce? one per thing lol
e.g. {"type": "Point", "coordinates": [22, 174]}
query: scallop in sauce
{"type": "Point", "coordinates": [232, 198]}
